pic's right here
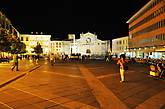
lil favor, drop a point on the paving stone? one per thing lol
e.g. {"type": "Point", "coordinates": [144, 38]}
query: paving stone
{"type": "Point", "coordinates": [18, 104]}
{"type": "Point", "coordinates": [4, 106]}
{"type": "Point", "coordinates": [34, 100]}
{"type": "Point", "coordinates": [30, 107]}
{"type": "Point", "coordinates": [57, 107]}
{"type": "Point", "coordinates": [45, 104]}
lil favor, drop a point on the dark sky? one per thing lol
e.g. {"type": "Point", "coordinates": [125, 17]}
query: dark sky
{"type": "Point", "coordinates": [107, 18]}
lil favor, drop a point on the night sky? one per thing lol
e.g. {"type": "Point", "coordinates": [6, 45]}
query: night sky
{"type": "Point", "coordinates": [106, 18]}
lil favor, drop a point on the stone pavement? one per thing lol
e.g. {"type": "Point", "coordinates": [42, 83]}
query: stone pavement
{"type": "Point", "coordinates": [138, 92]}
{"type": "Point", "coordinates": [52, 87]}
{"type": "Point", "coordinates": [7, 75]}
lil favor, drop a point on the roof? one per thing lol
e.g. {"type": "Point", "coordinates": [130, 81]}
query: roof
{"type": "Point", "coordinates": [140, 11]}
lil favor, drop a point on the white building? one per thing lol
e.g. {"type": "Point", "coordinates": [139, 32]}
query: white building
{"type": "Point", "coordinates": [56, 47]}
{"type": "Point", "coordinates": [120, 46]}
{"type": "Point", "coordinates": [32, 40]}
{"type": "Point", "coordinates": [67, 47]}
{"type": "Point", "coordinates": [87, 44]}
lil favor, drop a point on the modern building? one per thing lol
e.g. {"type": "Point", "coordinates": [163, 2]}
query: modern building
{"type": "Point", "coordinates": [147, 31]}
{"type": "Point", "coordinates": [32, 40]}
{"type": "Point", "coordinates": [120, 46]}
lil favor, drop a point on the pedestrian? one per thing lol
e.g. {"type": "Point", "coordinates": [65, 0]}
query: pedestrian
{"type": "Point", "coordinates": [122, 63]}
{"type": "Point", "coordinates": [37, 58]}
{"type": "Point", "coordinates": [15, 62]}
{"type": "Point", "coordinates": [107, 59]}
{"type": "Point", "coordinates": [52, 59]}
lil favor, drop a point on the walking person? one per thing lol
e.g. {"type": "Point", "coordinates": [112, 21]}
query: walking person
{"type": "Point", "coordinates": [36, 59]}
{"type": "Point", "coordinates": [15, 62]}
{"type": "Point", "coordinates": [52, 59]}
{"type": "Point", "coordinates": [122, 63]}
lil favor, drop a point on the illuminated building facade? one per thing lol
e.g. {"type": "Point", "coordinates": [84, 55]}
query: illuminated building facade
{"type": "Point", "coordinates": [120, 46]}
{"type": "Point", "coordinates": [56, 47]}
{"type": "Point", "coordinates": [87, 44]}
{"type": "Point", "coordinates": [32, 40]}
{"type": "Point", "coordinates": [147, 30]}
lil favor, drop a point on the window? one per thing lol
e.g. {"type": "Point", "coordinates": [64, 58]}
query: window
{"type": "Point", "coordinates": [120, 42]}
{"type": "Point", "coordinates": [27, 39]}
{"type": "Point", "coordinates": [21, 38]}
{"type": "Point", "coordinates": [123, 41]}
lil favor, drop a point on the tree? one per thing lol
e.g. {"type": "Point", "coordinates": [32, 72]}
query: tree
{"type": "Point", "coordinates": [4, 43]}
{"type": "Point", "coordinates": [18, 47]}
{"type": "Point", "coordinates": [38, 49]}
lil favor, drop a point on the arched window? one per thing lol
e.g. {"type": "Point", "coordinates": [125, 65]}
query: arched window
{"type": "Point", "coordinates": [88, 51]}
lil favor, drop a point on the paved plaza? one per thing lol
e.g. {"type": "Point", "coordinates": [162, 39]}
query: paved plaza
{"type": "Point", "coordinates": [77, 85]}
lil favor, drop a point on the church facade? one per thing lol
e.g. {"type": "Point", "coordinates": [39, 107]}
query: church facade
{"type": "Point", "coordinates": [88, 44]}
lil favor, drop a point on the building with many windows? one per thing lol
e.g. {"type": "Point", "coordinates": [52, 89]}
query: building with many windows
{"type": "Point", "coordinates": [147, 30]}
{"type": "Point", "coordinates": [56, 47]}
{"type": "Point", "coordinates": [120, 46]}
{"type": "Point", "coordinates": [87, 44]}
{"type": "Point", "coordinates": [31, 41]}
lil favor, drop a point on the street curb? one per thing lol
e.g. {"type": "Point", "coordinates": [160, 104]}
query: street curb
{"type": "Point", "coordinates": [18, 76]}
{"type": "Point", "coordinates": [34, 68]}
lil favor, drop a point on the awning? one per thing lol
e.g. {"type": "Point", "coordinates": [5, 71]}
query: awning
{"type": "Point", "coordinates": [160, 50]}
